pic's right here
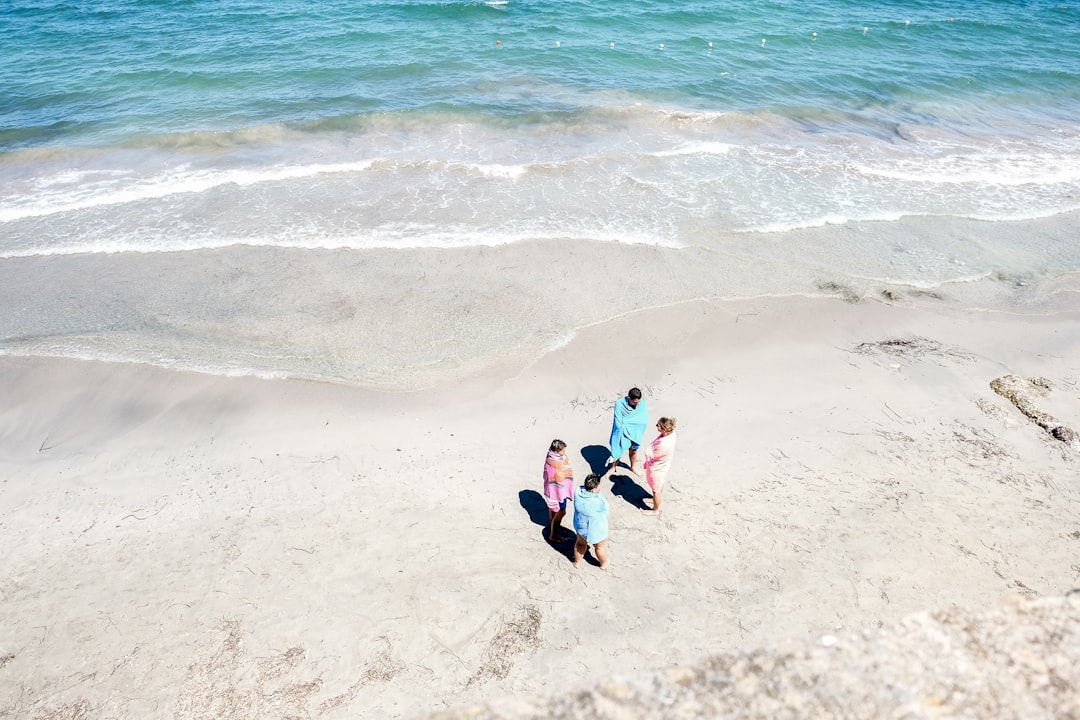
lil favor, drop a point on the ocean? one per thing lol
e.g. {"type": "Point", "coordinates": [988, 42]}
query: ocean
{"type": "Point", "coordinates": [243, 187]}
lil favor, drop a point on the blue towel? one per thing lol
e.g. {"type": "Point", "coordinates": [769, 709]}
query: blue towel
{"type": "Point", "coordinates": [590, 515]}
{"type": "Point", "coordinates": [628, 427]}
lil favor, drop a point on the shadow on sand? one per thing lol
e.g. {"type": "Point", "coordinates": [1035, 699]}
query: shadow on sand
{"type": "Point", "coordinates": [623, 487]}
{"type": "Point", "coordinates": [597, 457]}
{"type": "Point", "coordinates": [534, 504]}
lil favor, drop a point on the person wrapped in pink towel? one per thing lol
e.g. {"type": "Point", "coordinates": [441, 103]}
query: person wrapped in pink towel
{"type": "Point", "coordinates": [658, 456]}
{"type": "Point", "coordinates": [558, 487]}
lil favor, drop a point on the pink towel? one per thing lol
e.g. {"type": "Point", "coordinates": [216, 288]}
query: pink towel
{"type": "Point", "coordinates": [658, 460]}
{"type": "Point", "coordinates": [558, 481]}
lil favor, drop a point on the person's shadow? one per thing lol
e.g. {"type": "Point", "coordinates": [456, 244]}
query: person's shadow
{"type": "Point", "coordinates": [623, 487]}
{"type": "Point", "coordinates": [597, 457]}
{"type": "Point", "coordinates": [534, 504]}
{"type": "Point", "coordinates": [621, 484]}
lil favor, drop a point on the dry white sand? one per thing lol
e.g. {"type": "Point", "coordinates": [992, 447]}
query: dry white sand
{"type": "Point", "coordinates": [186, 546]}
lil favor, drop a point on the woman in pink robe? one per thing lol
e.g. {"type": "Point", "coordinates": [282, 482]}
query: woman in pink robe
{"type": "Point", "coordinates": [658, 461]}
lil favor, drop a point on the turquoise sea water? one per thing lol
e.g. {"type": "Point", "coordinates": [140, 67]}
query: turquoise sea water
{"type": "Point", "coordinates": [153, 126]}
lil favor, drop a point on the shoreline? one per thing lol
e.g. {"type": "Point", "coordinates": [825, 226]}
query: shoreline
{"type": "Point", "coordinates": [409, 319]}
{"type": "Point", "coordinates": [191, 541]}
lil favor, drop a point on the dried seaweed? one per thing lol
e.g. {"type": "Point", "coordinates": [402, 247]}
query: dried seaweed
{"type": "Point", "coordinates": [916, 347]}
{"type": "Point", "coordinates": [841, 291]}
{"type": "Point", "coordinates": [72, 711]}
{"type": "Point", "coordinates": [382, 669]}
{"type": "Point", "coordinates": [514, 637]}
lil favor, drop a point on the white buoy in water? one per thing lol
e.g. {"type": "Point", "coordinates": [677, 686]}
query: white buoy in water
{"type": "Point", "coordinates": [906, 23]}
{"type": "Point", "coordinates": [557, 43]}
{"type": "Point", "coordinates": [661, 46]}
{"type": "Point", "coordinates": [865, 30]}
{"type": "Point", "coordinates": [762, 42]}
{"type": "Point", "coordinates": [612, 46]}
{"type": "Point", "coordinates": [815, 36]}
{"type": "Point", "coordinates": [710, 44]}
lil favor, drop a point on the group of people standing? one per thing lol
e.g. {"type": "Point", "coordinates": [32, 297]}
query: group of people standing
{"type": "Point", "coordinates": [631, 418]}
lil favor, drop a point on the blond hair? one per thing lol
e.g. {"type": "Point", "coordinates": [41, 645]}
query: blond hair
{"type": "Point", "coordinates": [666, 424]}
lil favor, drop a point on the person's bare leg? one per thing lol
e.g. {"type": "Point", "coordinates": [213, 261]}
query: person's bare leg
{"type": "Point", "coordinates": [556, 522]}
{"type": "Point", "coordinates": [633, 462]}
{"type": "Point", "coordinates": [657, 497]}
{"type": "Point", "coordinates": [580, 547]}
{"type": "Point", "coordinates": [600, 549]}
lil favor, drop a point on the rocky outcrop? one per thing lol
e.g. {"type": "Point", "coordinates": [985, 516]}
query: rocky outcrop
{"type": "Point", "coordinates": [1020, 393]}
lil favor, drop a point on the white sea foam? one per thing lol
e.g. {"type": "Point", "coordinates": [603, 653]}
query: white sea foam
{"type": "Point", "coordinates": [167, 363]}
{"type": "Point", "coordinates": [824, 220]}
{"type": "Point", "coordinates": [925, 285]}
{"type": "Point", "coordinates": [511, 172]}
{"type": "Point", "coordinates": [984, 168]}
{"type": "Point", "coordinates": [698, 148]}
{"type": "Point", "coordinates": [73, 177]}
{"type": "Point", "coordinates": [405, 237]}
{"type": "Point", "coordinates": [178, 180]}
{"type": "Point", "coordinates": [870, 217]}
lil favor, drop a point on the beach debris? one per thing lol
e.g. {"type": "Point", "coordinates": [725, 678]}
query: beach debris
{"type": "Point", "coordinates": [1020, 391]}
{"type": "Point", "coordinates": [1063, 434]}
{"type": "Point", "coordinates": [224, 681]}
{"type": "Point", "coordinates": [383, 668]}
{"type": "Point", "coordinates": [978, 444]}
{"type": "Point", "coordinates": [271, 668]}
{"type": "Point", "coordinates": [78, 710]}
{"type": "Point", "coordinates": [995, 411]}
{"type": "Point", "coordinates": [950, 663]}
{"type": "Point", "coordinates": [842, 291]}
{"type": "Point", "coordinates": [915, 347]}
{"type": "Point", "coordinates": [515, 636]}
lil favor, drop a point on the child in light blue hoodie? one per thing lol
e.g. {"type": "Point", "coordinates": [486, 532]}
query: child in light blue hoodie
{"type": "Point", "coordinates": [590, 521]}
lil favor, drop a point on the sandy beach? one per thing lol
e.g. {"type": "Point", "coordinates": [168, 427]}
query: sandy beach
{"type": "Point", "coordinates": [295, 297]}
{"type": "Point", "coordinates": [179, 545]}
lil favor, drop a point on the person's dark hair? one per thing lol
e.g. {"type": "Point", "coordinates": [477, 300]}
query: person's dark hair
{"type": "Point", "coordinates": [557, 446]}
{"type": "Point", "coordinates": [592, 481]}
{"type": "Point", "coordinates": [634, 394]}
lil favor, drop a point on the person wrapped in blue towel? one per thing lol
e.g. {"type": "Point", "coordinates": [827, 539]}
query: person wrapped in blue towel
{"type": "Point", "coordinates": [628, 429]}
{"type": "Point", "coordinates": [590, 521]}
